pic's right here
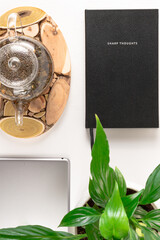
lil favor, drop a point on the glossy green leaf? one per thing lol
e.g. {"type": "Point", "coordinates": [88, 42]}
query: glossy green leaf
{"type": "Point", "coordinates": [150, 234]}
{"type": "Point", "coordinates": [100, 153]}
{"type": "Point", "coordinates": [103, 177]}
{"type": "Point", "coordinates": [121, 182]}
{"type": "Point", "coordinates": [80, 217]}
{"type": "Point", "coordinates": [110, 181]}
{"type": "Point", "coordinates": [114, 221]}
{"type": "Point", "coordinates": [152, 219]}
{"type": "Point", "coordinates": [131, 202]}
{"type": "Point", "coordinates": [93, 232]}
{"type": "Point", "coordinates": [36, 232]}
{"type": "Point", "coordinates": [132, 235]}
{"type": "Point", "coordinates": [152, 188]}
{"type": "Point", "coordinates": [100, 192]}
{"type": "Point", "coordinates": [140, 212]}
{"type": "Point", "coordinates": [96, 193]}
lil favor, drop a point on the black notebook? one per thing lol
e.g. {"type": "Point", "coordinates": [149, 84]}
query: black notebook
{"type": "Point", "coordinates": [122, 68]}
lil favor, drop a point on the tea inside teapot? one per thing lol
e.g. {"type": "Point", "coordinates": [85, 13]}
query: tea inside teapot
{"type": "Point", "coordinates": [18, 64]}
{"type": "Point", "coordinates": [26, 67]}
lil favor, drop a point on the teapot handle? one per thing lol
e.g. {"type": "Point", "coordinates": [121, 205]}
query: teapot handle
{"type": "Point", "coordinates": [12, 22]}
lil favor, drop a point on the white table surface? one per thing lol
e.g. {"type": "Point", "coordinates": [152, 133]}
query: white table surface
{"type": "Point", "coordinates": [136, 152]}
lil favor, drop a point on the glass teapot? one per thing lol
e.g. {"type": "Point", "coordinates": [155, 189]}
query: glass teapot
{"type": "Point", "coordinates": [26, 68]}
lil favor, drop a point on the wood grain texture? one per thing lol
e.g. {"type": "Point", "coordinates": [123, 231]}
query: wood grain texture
{"type": "Point", "coordinates": [57, 101]}
{"type": "Point", "coordinates": [1, 106]}
{"type": "Point", "coordinates": [30, 128]}
{"type": "Point", "coordinates": [31, 31]}
{"type": "Point", "coordinates": [53, 39]}
{"type": "Point", "coordinates": [37, 104]}
{"type": "Point", "coordinates": [3, 34]}
{"type": "Point", "coordinates": [9, 109]}
{"type": "Point", "coordinates": [29, 16]}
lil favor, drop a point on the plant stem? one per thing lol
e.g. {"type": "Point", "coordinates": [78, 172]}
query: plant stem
{"type": "Point", "coordinates": [134, 221]}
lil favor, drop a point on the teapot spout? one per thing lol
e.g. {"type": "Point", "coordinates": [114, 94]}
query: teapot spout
{"type": "Point", "coordinates": [19, 106]}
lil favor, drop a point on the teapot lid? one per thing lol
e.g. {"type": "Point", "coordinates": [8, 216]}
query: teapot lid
{"type": "Point", "coordinates": [18, 63]}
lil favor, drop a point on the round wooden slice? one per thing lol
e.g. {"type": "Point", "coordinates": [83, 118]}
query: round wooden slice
{"type": "Point", "coordinates": [9, 109]}
{"type": "Point", "coordinates": [46, 109]}
{"type": "Point", "coordinates": [30, 128]}
{"type": "Point", "coordinates": [29, 16]}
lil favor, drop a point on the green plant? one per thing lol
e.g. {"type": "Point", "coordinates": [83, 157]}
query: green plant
{"type": "Point", "coordinates": [115, 215]}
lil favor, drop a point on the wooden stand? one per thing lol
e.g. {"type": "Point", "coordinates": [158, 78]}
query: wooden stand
{"type": "Point", "coordinates": [47, 108]}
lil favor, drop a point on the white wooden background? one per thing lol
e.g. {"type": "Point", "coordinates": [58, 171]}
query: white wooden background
{"type": "Point", "coordinates": [135, 151]}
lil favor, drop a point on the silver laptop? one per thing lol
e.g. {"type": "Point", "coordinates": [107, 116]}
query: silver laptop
{"type": "Point", "coordinates": [34, 191]}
